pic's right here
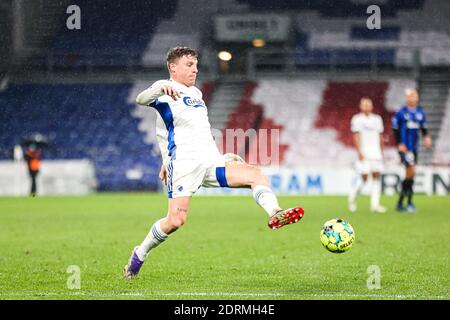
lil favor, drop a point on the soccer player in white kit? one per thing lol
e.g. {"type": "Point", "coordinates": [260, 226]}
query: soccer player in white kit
{"type": "Point", "coordinates": [191, 158]}
{"type": "Point", "coordinates": [367, 129]}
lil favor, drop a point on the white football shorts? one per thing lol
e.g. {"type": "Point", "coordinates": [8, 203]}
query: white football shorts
{"type": "Point", "coordinates": [368, 166]}
{"type": "Point", "coordinates": [185, 177]}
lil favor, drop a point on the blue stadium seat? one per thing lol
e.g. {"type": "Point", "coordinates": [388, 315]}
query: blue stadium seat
{"type": "Point", "coordinates": [82, 121]}
{"type": "Point", "coordinates": [386, 33]}
{"type": "Point", "coordinates": [113, 33]}
{"type": "Point", "coordinates": [341, 8]}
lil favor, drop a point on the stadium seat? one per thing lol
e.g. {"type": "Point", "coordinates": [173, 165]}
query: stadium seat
{"type": "Point", "coordinates": [112, 33]}
{"type": "Point", "coordinates": [92, 121]}
{"type": "Point", "coordinates": [247, 115]}
{"type": "Point", "coordinates": [325, 34]}
{"type": "Point", "coordinates": [314, 122]}
{"type": "Point", "coordinates": [441, 154]}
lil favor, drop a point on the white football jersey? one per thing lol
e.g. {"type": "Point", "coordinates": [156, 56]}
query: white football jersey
{"type": "Point", "coordinates": [369, 128]}
{"type": "Point", "coordinates": [183, 130]}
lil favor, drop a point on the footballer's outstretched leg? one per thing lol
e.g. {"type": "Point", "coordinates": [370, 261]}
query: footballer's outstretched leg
{"type": "Point", "coordinates": [133, 266]}
{"type": "Point", "coordinates": [243, 175]}
{"type": "Point", "coordinates": [159, 232]}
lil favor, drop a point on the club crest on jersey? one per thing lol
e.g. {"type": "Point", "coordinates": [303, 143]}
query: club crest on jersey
{"type": "Point", "coordinates": [192, 102]}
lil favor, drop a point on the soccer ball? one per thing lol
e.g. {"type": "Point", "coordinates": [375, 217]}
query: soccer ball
{"type": "Point", "coordinates": [337, 235]}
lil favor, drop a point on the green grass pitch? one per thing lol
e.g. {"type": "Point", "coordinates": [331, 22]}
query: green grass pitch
{"type": "Point", "coordinates": [225, 250]}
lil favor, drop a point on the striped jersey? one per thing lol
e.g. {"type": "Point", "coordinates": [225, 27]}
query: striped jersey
{"type": "Point", "coordinates": [183, 130]}
{"type": "Point", "coordinates": [409, 121]}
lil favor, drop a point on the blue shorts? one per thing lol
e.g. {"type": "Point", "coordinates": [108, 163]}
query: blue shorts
{"type": "Point", "coordinates": [409, 158]}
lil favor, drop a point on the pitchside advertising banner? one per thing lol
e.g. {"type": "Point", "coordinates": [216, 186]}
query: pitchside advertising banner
{"type": "Point", "coordinates": [239, 28]}
{"type": "Point", "coordinates": [332, 181]}
{"type": "Point", "coordinates": [77, 177]}
{"type": "Point", "coordinates": [57, 177]}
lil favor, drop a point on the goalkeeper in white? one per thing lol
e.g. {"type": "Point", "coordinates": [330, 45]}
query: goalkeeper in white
{"type": "Point", "coordinates": [191, 158]}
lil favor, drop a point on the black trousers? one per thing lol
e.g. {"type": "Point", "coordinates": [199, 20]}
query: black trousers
{"type": "Point", "coordinates": [33, 175]}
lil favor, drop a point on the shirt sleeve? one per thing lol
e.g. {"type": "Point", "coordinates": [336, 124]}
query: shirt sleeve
{"type": "Point", "coordinates": [396, 127]}
{"type": "Point", "coordinates": [149, 96]}
{"type": "Point", "coordinates": [396, 121]}
{"type": "Point", "coordinates": [355, 125]}
{"type": "Point", "coordinates": [423, 121]}
{"type": "Point", "coordinates": [380, 125]}
{"type": "Point", "coordinates": [199, 92]}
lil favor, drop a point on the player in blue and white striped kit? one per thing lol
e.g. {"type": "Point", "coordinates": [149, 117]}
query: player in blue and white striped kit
{"type": "Point", "coordinates": [406, 124]}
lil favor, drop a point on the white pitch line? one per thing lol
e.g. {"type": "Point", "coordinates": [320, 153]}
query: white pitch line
{"type": "Point", "coordinates": [218, 294]}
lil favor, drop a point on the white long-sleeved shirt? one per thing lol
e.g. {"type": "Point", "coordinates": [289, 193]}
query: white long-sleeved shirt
{"type": "Point", "coordinates": [183, 130]}
{"type": "Point", "coordinates": [152, 93]}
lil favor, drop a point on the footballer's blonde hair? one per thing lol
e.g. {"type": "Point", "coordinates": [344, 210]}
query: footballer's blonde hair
{"type": "Point", "coordinates": [408, 91]}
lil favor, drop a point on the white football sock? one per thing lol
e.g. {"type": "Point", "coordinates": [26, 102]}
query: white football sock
{"type": "Point", "coordinates": [375, 193]}
{"type": "Point", "coordinates": [154, 238]}
{"type": "Point", "coordinates": [265, 197]}
{"type": "Point", "coordinates": [355, 189]}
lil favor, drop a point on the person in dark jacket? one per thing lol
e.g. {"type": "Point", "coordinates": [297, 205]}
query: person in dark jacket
{"type": "Point", "coordinates": [33, 159]}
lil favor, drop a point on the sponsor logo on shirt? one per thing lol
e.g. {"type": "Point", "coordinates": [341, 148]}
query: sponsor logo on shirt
{"type": "Point", "coordinates": [193, 102]}
{"type": "Point", "coordinates": [412, 125]}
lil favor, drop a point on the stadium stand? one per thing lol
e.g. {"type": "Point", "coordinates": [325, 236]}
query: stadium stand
{"type": "Point", "coordinates": [247, 115]}
{"type": "Point", "coordinates": [260, 148]}
{"type": "Point", "coordinates": [417, 25]}
{"type": "Point", "coordinates": [433, 88]}
{"type": "Point", "coordinates": [103, 123]}
{"type": "Point", "coordinates": [225, 98]}
{"type": "Point", "coordinates": [442, 150]}
{"type": "Point", "coordinates": [395, 97]}
{"type": "Point", "coordinates": [179, 30]}
{"type": "Point", "coordinates": [106, 27]}
{"type": "Point", "coordinates": [329, 33]}
{"type": "Point", "coordinates": [314, 122]}
{"type": "Point", "coordinates": [90, 121]}
{"type": "Point", "coordinates": [330, 9]}
{"type": "Point", "coordinates": [340, 101]}
{"type": "Point", "coordinates": [294, 112]}
{"type": "Point", "coordinates": [246, 107]}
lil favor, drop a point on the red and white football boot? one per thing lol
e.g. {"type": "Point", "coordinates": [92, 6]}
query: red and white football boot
{"type": "Point", "coordinates": [284, 217]}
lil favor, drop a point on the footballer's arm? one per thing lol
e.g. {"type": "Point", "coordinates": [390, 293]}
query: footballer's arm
{"type": "Point", "coordinates": [426, 136]}
{"type": "Point", "coordinates": [158, 89]}
{"type": "Point", "coordinates": [396, 124]}
{"type": "Point", "coordinates": [382, 145]}
{"type": "Point", "coordinates": [398, 138]}
{"type": "Point", "coordinates": [148, 96]}
{"type": "Point", "coordinates": [357, 143]}
{"type": "Point", "coordinates": [381, 136]}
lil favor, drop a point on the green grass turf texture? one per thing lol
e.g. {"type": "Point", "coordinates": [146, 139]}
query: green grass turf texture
{"type": "Point", "coordinates": [224, 251]}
